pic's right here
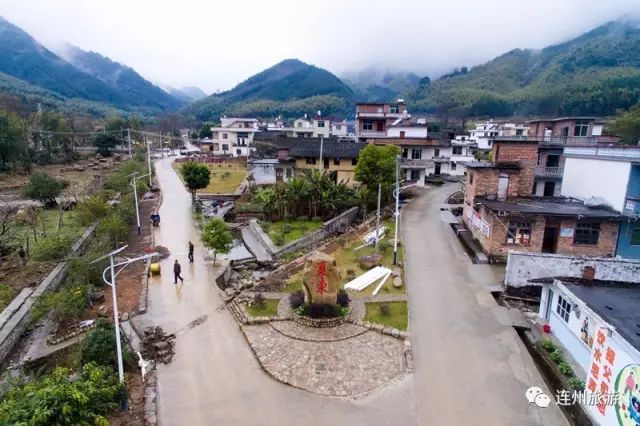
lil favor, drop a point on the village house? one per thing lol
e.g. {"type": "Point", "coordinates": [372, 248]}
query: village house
{"type": "Point", "coordinates": [269, 171]}
{"type": "Point", "coordinates": [588, 306]}
{"type": "Point", "coordinates": [502, 214]}
{"type": "Point", "coordinates": [485, 132]}
{"type": "Point", "coordinates": [374, 118]}
{"type": "Point", "coordinates": [608, 175]}
{"type": "Point", "coordinates": [290, 157]}
{"type": "Point", "coordinates": [553, 136]}
{"type": "Point", "coordinates": [233, 138]}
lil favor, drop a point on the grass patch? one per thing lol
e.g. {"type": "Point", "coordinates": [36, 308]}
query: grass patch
{"type": "Point", "coordinates": [268, 308]}
{"type": "Point", "coordinates": [394, 316]}
{"type": "Point", "coordinates": [282, 232]}
{"type": "Point", "coordinates": [225, 177]}
{"type": "Point", "coordinates": [7, 294]}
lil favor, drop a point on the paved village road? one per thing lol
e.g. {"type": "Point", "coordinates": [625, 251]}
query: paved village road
{"type": "Point", "coordinates": [470, 367]}
{"type": "Point", "coordinates": [214, 378]}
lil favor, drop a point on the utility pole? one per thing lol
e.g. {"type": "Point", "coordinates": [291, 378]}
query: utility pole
{"type": "Point", "coordinates": [135, 197]}
{"type": "Point", "coordinates": [129, 140]}
{"type": "Point", "coordinates": [397, 214]}
{"type": "Point", "coordinates": [321, 147]}
{"type": "Point", "coordinates": [378, 218]}
{"type": "Point", "coordinates": [149, 160]}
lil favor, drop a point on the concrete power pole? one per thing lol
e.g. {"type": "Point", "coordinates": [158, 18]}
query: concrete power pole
{"type": "Point", "coordinates": [129, 140]}
{"type": "Point", "coordinates": [378, 217]}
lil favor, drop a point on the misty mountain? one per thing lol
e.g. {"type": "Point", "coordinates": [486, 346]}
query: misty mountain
{"type": "Point", "coordinates": [123, 79]}
{"type": "Point", "coordinates": [377, 85]}
{"type": "Point", "coordinates": [595, 73]}
{"type": "Point", "coordinates": [288, 88]}
{"type": "Point", "coordinates": [186, 94]}
{"type": "Point", "coordinates": [100, 80]}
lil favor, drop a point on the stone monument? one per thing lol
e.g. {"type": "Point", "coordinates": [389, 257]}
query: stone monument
{"type": "Point", "coordinates": [321, 279]}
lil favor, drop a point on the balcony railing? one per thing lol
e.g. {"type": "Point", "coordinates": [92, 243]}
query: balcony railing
{"type": "Point", "coordinates": [371, 134]}
{"type": "Point", "coordinates": [408, 163]}
{"type": "Point", "coordinates": [549, 171]}
{"type": "Point", "coordinates": [560, 140]}
{"type": "Point", "coordinates": [632, 206]}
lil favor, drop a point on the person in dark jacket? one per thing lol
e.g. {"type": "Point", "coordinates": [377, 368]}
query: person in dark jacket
{"type": "Point", "coordinates": [177, 269]}
{"type": "Point", "coordinates": [190, 252]}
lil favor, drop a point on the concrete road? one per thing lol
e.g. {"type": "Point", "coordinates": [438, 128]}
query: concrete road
{"type": "Point", "coordinates": [214, 378]}
{"type": "Point", "coordinates": [470, 365]}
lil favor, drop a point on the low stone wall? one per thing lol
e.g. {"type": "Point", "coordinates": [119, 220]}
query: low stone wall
{"type": "Point", "coordinates": [337, 224]}
{"type": "Point", "coordinates": [522, 267]}
{"type": "Point", "coordinates": [318, 322]}
{"type": "Point", "coordinates": [15, 318]}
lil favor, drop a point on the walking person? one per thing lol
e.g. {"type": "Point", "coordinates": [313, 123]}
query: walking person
{"type": "Point", "coordinates": [23, 256]}
{"type": "Point", "coordinates": [190, 252]}
{"type": "Point", "coordinates": [177, 269]}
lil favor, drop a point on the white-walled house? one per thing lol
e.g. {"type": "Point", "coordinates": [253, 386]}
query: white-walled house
{"type": "Point", "coordinates": [339, 128]}
{"type": "Point", "coordinates": [484, 133]}
{"type": "Point", "coordinates": [462, 151]}
{"type": "Point", "coordinates": [234, 137]}
{"type": "Point", "coordinates": [597, 322]}
{"type": "Point", "coordinates": [408, 127]}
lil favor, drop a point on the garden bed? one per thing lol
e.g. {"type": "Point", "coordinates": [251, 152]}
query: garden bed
{"type": "Point", "coordinates": [395, 315]}
{"type": "Point", "coordinates": [283, 232]}
{"type": "Point", "coordinates": [225, 177]}
{"type": "Point", "coordinates": [268, 308]}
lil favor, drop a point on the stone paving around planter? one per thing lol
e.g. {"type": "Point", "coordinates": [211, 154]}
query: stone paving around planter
{"type": "Point", "coordinates": [355, 365]}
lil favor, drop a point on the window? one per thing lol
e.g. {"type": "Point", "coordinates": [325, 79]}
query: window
{"type": "Point", "coordinates": [635, 236]}
{"type": "Point", "coordinates": [393, 109]}
{"type": "Point", "coordinates": [405, 153]}
{"type": "Point", "coordinates": [519, 233]}
{"type": "Point", "coordinates": [225, 136]}
{"type": "Point", "coordinates": [489, 143]}
{"type": "Point", "coordinates": [581, 128]}
{"type": "Point", "coordinates": [471, 178]}
{"type": "Point", "coordinates": [415, 174]}
{"type": "Point", "coordinates": [214, 135]}
{"type": "Point", "coordinates": [238, 152]}
{"type": "Point", "coordinates": [225, 147]}
{"type": "Point", "coordinates": [402, 134]}
{"type": "Point", "coordinates": [563, 308]}
{"type": "Point", "coordinates": [519, 132]}
{"type": "Point", "coordinates": [453, 165]}
{"type": "Point", "coordinates": [354, 161]}
{"type": "Point", "coordinates": [436, 152]}
{"type": "Point", "coordinates": [320, 123]}
{"type": "Point", "coordinates": [587, 233]}
{"type": "Point", "coordinates": [457, 150]}
{"type": "Point", "coordinates": [311, 160]}
{"type": "Point", "coordinates": [243, 135]}
{"type": "Point", "coordinates": [336, 161]}
{"type": "Point", "coordinates": [367, 125]}
{"type": "Point", "coordinates": [416, 154]}
{"type": "Point", "coordinates": [299, 124]}
{"type": "Point", "coordinates": [338, 126]}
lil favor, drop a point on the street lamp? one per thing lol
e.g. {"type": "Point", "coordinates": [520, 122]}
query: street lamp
{"type": "Point", "coordinates": [135, 196]}
{"type": "Point", "coordinates": [397, 213]}
{"type": "Point", "coordinates": [112, 282]}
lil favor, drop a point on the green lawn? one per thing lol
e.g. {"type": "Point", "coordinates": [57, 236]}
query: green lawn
{"type": "Point", "coordinates": [225, 177]}
{"type": "Point", "coordinates": [347, 258]}
{"type": "Point", "coordinates": [282, 232]}
{"type": "Point", "coordinates": [397, 316]}
{"type": "Point", "coordinates": [268, 309]}
{"type": "Point", "coordinates": [47, 221]}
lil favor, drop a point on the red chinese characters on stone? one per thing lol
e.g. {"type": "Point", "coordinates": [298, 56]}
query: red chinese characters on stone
{"type": "Point", "coordinates": [322, 285]}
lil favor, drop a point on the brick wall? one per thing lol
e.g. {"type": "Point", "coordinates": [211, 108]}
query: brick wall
{"type": "Point", "coordinates": [606, 242]}
{"type": "Point", "coordinates": [526, 155]}
{"type": "Point", "coordinates": [497, 246]}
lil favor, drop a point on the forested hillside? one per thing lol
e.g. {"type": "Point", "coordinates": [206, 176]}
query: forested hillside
{"type": "Point", "coordinates": [595, 74]}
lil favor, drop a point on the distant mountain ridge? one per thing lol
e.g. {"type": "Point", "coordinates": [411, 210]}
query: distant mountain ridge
{"type": "Point", "coordinates": [378, 85]}
{"type": "Point", "coordinates": [595, 73]}
{"type": "Point", "coordinates": [288, 88]}
{"type": "Point", "coordinates": [92, 77]}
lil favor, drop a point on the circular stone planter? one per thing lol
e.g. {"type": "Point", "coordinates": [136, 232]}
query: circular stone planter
{"type": "Point", "coordinates": [320, 322]}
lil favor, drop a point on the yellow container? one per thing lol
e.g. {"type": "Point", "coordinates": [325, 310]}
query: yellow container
{"type": "Point", "coordinates": [155, 268]}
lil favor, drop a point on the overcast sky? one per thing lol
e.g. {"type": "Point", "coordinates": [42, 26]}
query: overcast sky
{"type": "Point", "coordinates": [216, 44]}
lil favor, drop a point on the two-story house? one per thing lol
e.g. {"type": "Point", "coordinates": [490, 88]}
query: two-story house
{"type": "Point", "coordinates": [502, 215]}
{"type": "Point", "coordinates": [233, 138]}
{"type": "Point", "coordinates": [608, 175]}
{"type": "Point", "coordinates": [374, 118]}
{"type": "Point", "coordinates": [552, 137]}
{"type": "Point", "coordinates": [485, 132]}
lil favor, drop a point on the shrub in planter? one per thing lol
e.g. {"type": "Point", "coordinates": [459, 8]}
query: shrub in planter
{"type": "Point", "coordinates": [576, 383]}
{"type": "Point", "coordinates": [565, 368]}
{"type": "Point", "coordinates": [296, 299]}
{"type": "Point", "coordinates": [556, 356]}
{"type": "Point", "coordinates": [343, 298]}
{"type": "Point", "coordinates": [548, 345]}
{"type": "Point", "coordinates": [385, 309]}
{"type": "Point", "coordinates": [322, 310]}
